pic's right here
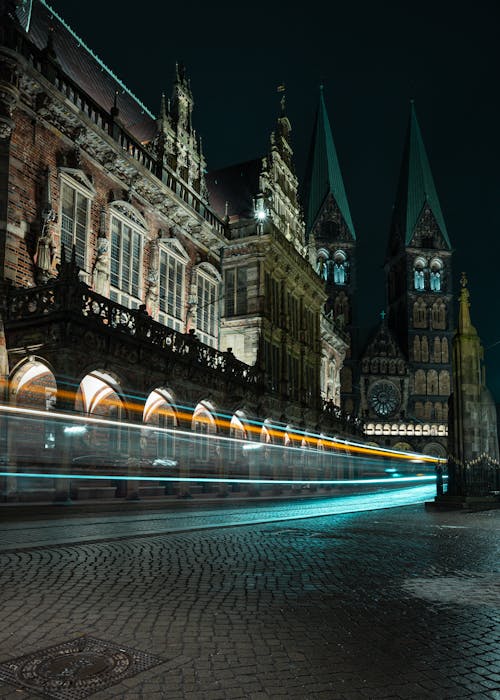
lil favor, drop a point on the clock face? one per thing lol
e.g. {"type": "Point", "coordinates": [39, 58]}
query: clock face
{"type": "Point", "coordinates": [384, 398]}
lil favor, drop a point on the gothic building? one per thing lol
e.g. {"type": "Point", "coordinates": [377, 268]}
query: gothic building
{"type": "Point", "coordinates": [122, 275]}
{"type": "Point", "coordinates": [332, 242]}
{"type": "Point", "coordinates": [409, 407]}
{"type": "Point", "coordinates": [399, 382]}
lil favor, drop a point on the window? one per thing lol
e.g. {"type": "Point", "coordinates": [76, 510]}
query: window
{"type": "Point", "coordinates": [236, 291]}
{"type": "Point", "coordinates": [435, 275]}
{"type": "Point", "coordinates": [171, 290]}
{"type": "Point", "coordinates": [340, 266]}
{"type": "Point", "coordinates": [75, 208]}
{"type": "Point", "coordinates": [416, 349]}
{"type": "Point", "coordinates": [444, 383]}
{"type": "Point", "coordinates": [419, 314]}
{"type": "Point", "coordinates": [322, 264]}
{"type": "Point", "coordinates": [207, 309]}
{"type": "Point", "coordinates": [418, 275]}
{"type": "Point", "coordinates": [126, 260]}
{"type": "Point", "coordinates": [203, 423]}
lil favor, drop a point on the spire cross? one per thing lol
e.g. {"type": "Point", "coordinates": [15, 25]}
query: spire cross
{"type": "Point", "coordinates": [383, 315]}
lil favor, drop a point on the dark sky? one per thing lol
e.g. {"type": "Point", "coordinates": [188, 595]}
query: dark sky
{"type": "Point", "coordinates": [372, 58]}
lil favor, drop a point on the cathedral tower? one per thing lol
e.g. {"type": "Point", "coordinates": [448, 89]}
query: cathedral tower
{"type": "Point", "coordinates": [418, 267]}
{"type": "Point", "coordinates": [332, 239]}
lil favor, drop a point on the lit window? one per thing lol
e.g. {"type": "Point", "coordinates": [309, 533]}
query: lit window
{"type": "Point", "coordinates": [126, 260]}
{"type": "Point", "coordinates": [418, 275]}
{"type": "Point", "coordinates": [171, 290]}
{"type": "Point", "coordinates": [207, 308]}
{"type": "Point", "coordinates": [236, 291]}
{"type": "Point", "coordinates": [340, 266]}
{"type": "Point", "coordinates": [435, 275]}
{"type": "Point", "coordinates": [75, 207]}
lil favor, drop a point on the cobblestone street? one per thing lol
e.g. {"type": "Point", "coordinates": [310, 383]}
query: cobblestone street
{"type": "Point", "coordinates": [395, 603]}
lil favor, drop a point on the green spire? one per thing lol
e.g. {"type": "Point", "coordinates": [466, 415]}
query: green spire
{"type": "Point", "coordinates": [416, 186]}
{"type": "Point", "coordinates": [323, 176]}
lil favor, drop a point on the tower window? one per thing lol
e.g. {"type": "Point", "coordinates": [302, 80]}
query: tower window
{"type": "Point", "coordinates": [418, 275]}
{"type": "Point", "coordinates": [435, 275]}
{"type": "Point", "coordinates": [340, 268]}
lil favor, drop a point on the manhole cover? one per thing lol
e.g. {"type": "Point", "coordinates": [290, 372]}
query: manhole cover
{"type": "Point", "coordinates": [76, 669]}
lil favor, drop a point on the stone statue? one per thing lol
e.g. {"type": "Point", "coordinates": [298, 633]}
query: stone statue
{"type": "Point", "coordinates": [45, 247]}
{"type": "Point", "coordinates": [152, 294]}
{"type": "Point", "coordinates": [101, 265]}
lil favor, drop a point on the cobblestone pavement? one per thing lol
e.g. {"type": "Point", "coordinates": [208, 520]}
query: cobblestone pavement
{"type": "Point", "coordinates": [395, 603]}
{"type": "Point", "coordinates": [197, 516]}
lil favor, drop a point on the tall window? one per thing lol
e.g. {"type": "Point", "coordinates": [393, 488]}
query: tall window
{"type": "Point", "coordinates": [236, 291]}
{"type": "Point", "coordinates": [340, 266]}
{"type": "Point", "coordinates": [207, 310]}
{"type": "Point", "coordinates": [435, 275]}
{"type": "Point", "coordinates": [418, 275]}
{"type": "Point", "coordinates": [126, 260]}
{"type": "Point", "coordinates": [75, 207]}
{"type": "Point", "coordinates": [171, 290]}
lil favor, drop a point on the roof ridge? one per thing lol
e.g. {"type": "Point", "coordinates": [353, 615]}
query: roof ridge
{"type": "Point", "coordinates": [96, 58]}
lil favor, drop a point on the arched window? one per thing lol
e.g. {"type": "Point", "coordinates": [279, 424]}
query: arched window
{"type": "Point", "coordinates": [341, 310]}
{"type": "Point", "coordinates": [419, 314]}
{"type": "Point", "coordinates": [128, 229]}
{"type": "Point", "coordinates": [437, 350]}
{"type": "Point", "coordinates": [203, 423]}
{"type": "Point", "coordinates": [416, 349]}
{"type": "Point", "coordinates": [444, 350]}
{"type": "Point", "coordinates": [207, 303]}
{"type": "Point", "coordinates": [420, 381]}
{"type": "Point", "coordinates": [418, 275]}
{"type": "Point", "coordinates": [425, 349]}
{"type": "Point", "coordinates": [438, 315]}
{"type": "Point", "coordinates": [419, 409]}
{"type": "Point", "coordinates": [444, 383]}
{"type": "Point", "coordinates": [436, 268]}
{"type": "Point", "coordinates": [438, 410]}
{"type": "Point", "coordinates": [172, 261]}
{"type": "Point", "coordinates": [77, 192]}
{"type": "Point", "coordinates": [340, 266]}
{"type": "Point", "coordinates": [432, 382]}
{"type": "Point", "coordinates": [428, 410]}
{"type": "Point", "coordinates": [322, 264]}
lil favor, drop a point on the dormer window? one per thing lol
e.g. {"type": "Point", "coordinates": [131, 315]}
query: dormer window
{"type": "Point", "coordinates": [435, 275]}
{"type": "Point", "coordinates": [418, 275]}
{"type": "Point", "coordinates": [340, 266]}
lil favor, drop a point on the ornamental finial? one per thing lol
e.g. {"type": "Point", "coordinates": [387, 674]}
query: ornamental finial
{"type": "Point", "coordinates": [463, 280]}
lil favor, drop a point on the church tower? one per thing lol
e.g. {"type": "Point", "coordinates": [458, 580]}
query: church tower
{"type": "Point", "coordinates": [332, 239]}
{"type": "Point", "coordinates": [418, 267]}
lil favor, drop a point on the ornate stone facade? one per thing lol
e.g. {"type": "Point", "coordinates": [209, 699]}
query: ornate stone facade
{"type": "Point", "coordinates": [144, 305]}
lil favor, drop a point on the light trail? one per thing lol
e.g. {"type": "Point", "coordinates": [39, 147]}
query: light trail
{"type": "Point", "coordinates": [223, 480]}
{"type": "Point", "coordinates": [316, 440]}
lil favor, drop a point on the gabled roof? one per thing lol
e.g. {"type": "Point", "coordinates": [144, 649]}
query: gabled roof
{"type": "Point", "coordinates": [416, 189]}
{"type": "Point", "coordinates": [323, 176]}
{"type": "Point", "coordinates": [87, 70]}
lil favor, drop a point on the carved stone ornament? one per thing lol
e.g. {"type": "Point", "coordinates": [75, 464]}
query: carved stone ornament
{"type": "Point", "coordinates": [45, 247]}
{"type": "Point", "coordinates": [101, 271]}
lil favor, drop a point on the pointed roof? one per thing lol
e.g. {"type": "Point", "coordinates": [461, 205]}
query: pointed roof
{"type": "Point", "coordinates": [416, 187]}
{"type": "Point", "coordinates": [323, 176]}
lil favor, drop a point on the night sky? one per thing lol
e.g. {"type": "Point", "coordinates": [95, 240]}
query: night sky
{"type": "Point", "coordinates": [372, 59]}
